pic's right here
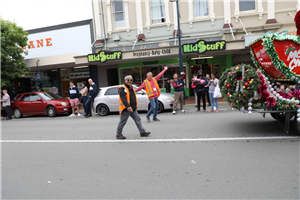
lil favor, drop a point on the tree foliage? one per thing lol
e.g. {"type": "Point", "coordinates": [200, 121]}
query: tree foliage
{"type": "Point", "coordinates": [13, 38]}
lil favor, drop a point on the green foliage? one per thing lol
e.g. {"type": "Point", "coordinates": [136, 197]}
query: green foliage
{"type": "Point", "coordinates": [229, 81]}
{"type": "Point", "coordinates": [13, 38]}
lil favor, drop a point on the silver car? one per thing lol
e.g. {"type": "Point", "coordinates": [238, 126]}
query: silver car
{"type": "Point", "coordinates": [107, 100]}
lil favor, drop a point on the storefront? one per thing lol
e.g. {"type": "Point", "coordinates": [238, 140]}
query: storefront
{"type": "Point", "coordinates": [51, 58]}
{"type": "Point", "coordinates": [115, 65]}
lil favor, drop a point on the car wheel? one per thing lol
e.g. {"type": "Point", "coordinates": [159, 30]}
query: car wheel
{"type": "Point", "coordinates": [102, 110]}
{"type": "Point", "coordinates": [51, 112]}
{"type": "Point", "coordinates": [17, 113]}
{"type": "Point", "coordinates": [160, 107]}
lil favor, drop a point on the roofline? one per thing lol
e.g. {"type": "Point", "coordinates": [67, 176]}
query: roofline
{"type": "Point", "coordinates": [60, 26]}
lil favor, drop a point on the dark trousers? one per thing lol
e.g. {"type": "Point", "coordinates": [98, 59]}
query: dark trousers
{"type": "Point", "coordinates": [3, 113]}
{"type": "Point", "coordinates": [207, 96]}
{"type": "Point", "coordinates": [201, 95]}
{"type": "Point", "coordinates": [88, 105]}
{"type": "Point", "coordinates": [7, 109]}
{"type": "Point", "coordinates": [84, 99]}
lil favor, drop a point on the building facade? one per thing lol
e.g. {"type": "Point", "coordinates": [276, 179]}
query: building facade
{"type": "Point", "coordinates": [51, 55]}
{"type": "Point", "coordinates": [145, 32]}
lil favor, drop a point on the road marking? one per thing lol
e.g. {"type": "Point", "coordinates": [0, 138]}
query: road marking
{"type": "Point", "coordinates": [152, 140]}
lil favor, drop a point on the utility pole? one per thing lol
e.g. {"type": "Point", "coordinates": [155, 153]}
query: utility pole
{"type": "Point", "coordinates": [179, 38]}
{"type": "Point", "coordinates": [103, 26]}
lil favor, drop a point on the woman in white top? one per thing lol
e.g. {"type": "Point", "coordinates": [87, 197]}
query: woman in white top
{"type": "Point", "coordinates": [212, 85]}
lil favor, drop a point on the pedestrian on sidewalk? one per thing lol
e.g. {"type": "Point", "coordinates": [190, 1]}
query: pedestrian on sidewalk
{"type": "Point", "coordinates": [200, 83]}
{"type": "Point", "coordinates": [74, 99]}
{"type": "Point", "coordinates": [195, 93]}
{"type": "Point", "coordinates": [128, 105]}
{"type": "Point", "coordinates": [212, 86]}
{"type": "Point", "coordinates": [6, 104]}
{"type": "Point", "coordinates": [2, 109]}
{"type": "Point", "coordinates": [93, 91]}
{"type": "Point", "coordinates": [207, 89]}
{"type": "Point", "coordinates": [153, 92]}
{"type": "Point", "coordinates": [178, 91]}
{"type": "Point", "coordinates": [84, 95]}
{"type": "Point", "coordinates": [168, 86]}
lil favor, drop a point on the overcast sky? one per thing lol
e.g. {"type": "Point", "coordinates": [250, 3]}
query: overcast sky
{"type": "Point", "coordinates": [32, 14]}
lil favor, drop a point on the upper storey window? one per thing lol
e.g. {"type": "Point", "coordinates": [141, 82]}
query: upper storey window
{"type": "Point", "coordinates": [201, 8]}
{"type": "Point", "coordinates": [158, 11]}
{"type": "Point", "coordinates": [119, 13]}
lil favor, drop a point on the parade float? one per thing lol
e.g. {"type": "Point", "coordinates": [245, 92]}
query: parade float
{"type": "Point", "coordinates": [277, 59]}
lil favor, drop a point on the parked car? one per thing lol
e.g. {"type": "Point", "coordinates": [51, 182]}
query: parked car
{"type": "Point", "coordinates": [39, 103]}
{"type": "Point", "coordinates": [107, 100]}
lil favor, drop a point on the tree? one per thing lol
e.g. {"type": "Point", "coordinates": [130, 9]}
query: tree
{"type": "Point", "coordinates": [13, 38]}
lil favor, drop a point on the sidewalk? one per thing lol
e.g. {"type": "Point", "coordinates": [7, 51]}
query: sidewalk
{"type": "Point", "coordinates": [191, 100]}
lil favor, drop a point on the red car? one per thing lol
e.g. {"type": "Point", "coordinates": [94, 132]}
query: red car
{"type": "Point", "coordinates": [39, 103]}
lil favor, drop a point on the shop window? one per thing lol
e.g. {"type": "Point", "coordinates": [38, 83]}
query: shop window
{"type": "Point", "coordinates": [247, 5]}
{"type": "Point", "coordinates": [34, 97]}
{"type": "Point", "coordinates": [158, 11]}
{"type": "Point", "coordinates": [112, 91]}
{"type": "Point", "coordinates": [201, 8]}
{"type": "Point", "coordinates": [134, 72]}
{"type": "Point", "coordinates": [119, 13]}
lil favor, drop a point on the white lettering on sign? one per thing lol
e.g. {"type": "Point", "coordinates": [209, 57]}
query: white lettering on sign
{"type": "Point", "coordinates": [294, 56]}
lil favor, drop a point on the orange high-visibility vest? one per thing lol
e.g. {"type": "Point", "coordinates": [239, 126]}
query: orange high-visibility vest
{"type": "Point", "coordinates": [149, 89]}
{"type": "Point", "coordinates": [121, 104]}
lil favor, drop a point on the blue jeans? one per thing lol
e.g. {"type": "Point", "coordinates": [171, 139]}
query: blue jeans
{"type": "Point", "coordinates": [213, 100]}
{"type": "Point", "coordinates": [154, 108]}
{"type": "Point", "coordinates": [88, 105]}
{"type": "Point", "coordinates": [84, 99]}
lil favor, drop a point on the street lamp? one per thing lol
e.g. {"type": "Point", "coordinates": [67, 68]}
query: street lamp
{"type": "Point", "coordinates": [179, 37]}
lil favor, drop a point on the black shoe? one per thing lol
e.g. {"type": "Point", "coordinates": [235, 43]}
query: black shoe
{"type": "Point", "coordinates": [145, 134]}
{"type": "Point", "coordinates": [8, 118]}
{"type": "Point", "coordinates": [156, 119]}
{"type": "Point", "coordinates": [84, 115]}
{"type": "Point", "coordinates": [87, 116]}
{"type": "Point", "coordinates": [148, 119]}
{"type": "Point", "coordinates": [196, 106]}
{"type": "Point", "coordinates": [209, 105]}
{"type": "Point", "coordinates": [120, 137]}
{"type": "Point", "coordinates": [198, 110]}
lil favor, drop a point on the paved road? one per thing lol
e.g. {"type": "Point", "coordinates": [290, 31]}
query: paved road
{"type": "Point", "coordinates": [229, 155]}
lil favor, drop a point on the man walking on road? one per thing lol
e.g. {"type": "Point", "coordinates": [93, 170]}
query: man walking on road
{"type": "Point", "coordinates": [178, 91]}
{"type": "Point", "coordinates": [6, 104]}
{"type": "Point", "coordinates": [153, 92]}
{"type": "Point", "coordinates": [91, 96]}
{"type": "Point", "coordinates": [128, 107]}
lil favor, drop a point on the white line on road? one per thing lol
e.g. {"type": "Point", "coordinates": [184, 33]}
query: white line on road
{"type": "Point", "coordinates": [152, 140]}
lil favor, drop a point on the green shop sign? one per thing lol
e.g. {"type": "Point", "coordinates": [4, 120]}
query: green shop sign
{"type": "Point", "coordinates": [104, 56]}
{"type": "Point", "coordinates": [202, 46]}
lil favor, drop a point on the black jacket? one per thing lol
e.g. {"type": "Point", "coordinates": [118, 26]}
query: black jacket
{"type": "Point", "coordinates": [93, 91]}
{"type": "Point", "coordinates": [123, 92]}
{"type": "Point", "coordinates": [168, 87]}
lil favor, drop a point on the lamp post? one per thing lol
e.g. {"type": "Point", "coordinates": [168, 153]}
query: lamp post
{"type": "Point", "coordinates": [179, 37]}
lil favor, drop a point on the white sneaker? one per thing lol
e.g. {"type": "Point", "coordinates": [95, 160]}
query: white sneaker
{"type": "Point", "coordinates": [174, 112]}
{"type": "Point", "coordinates": [72, 115]}
{"type": "Point", "coordinates": [182, 111]}
{"type": "Point", "coordinates": [79, 114]}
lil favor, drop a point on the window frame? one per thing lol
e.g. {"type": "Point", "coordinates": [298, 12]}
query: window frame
{"type": "Point", "coordinates": [248, 11]}
{"type": "Point", "coordinates": [159, 17]}
{"type": "Point", "coordinates": [113, 14]}
{"type": "Point", "coordinates": [201, 17]}
{"type": "Point", "coordinates": [23, 97]}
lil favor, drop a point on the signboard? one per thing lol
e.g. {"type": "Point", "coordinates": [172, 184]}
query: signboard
{"type": "Point", "coordinates": [155, 62]}
{"type": "Point", "coordinates": [103, 56]}
{"type": "Point", "coordinates": [202, 46]}
{"type": "Point", "coordinates": [157, 52]}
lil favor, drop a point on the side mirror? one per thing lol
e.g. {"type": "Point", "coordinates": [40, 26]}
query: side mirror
{"type": "Point", "coordinates": [39, 99]}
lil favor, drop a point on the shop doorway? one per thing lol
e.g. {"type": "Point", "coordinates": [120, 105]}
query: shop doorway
{"type": "Point", "coordinates": [112, 77]}
{"type": "Point", "coordinates": [207, 69]}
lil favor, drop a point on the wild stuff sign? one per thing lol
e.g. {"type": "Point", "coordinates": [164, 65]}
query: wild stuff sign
{"type": "Point", "coordinates": [202, 46]}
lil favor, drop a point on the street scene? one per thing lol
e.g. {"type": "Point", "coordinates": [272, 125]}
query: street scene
{"type": "Point", "coordinates": [154, 99]}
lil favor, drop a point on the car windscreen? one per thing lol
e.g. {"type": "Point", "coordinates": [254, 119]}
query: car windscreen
{"type": "Point", "coordinates": [16, 97]}
{"type": "Point", "coordinates": [49, 96]}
